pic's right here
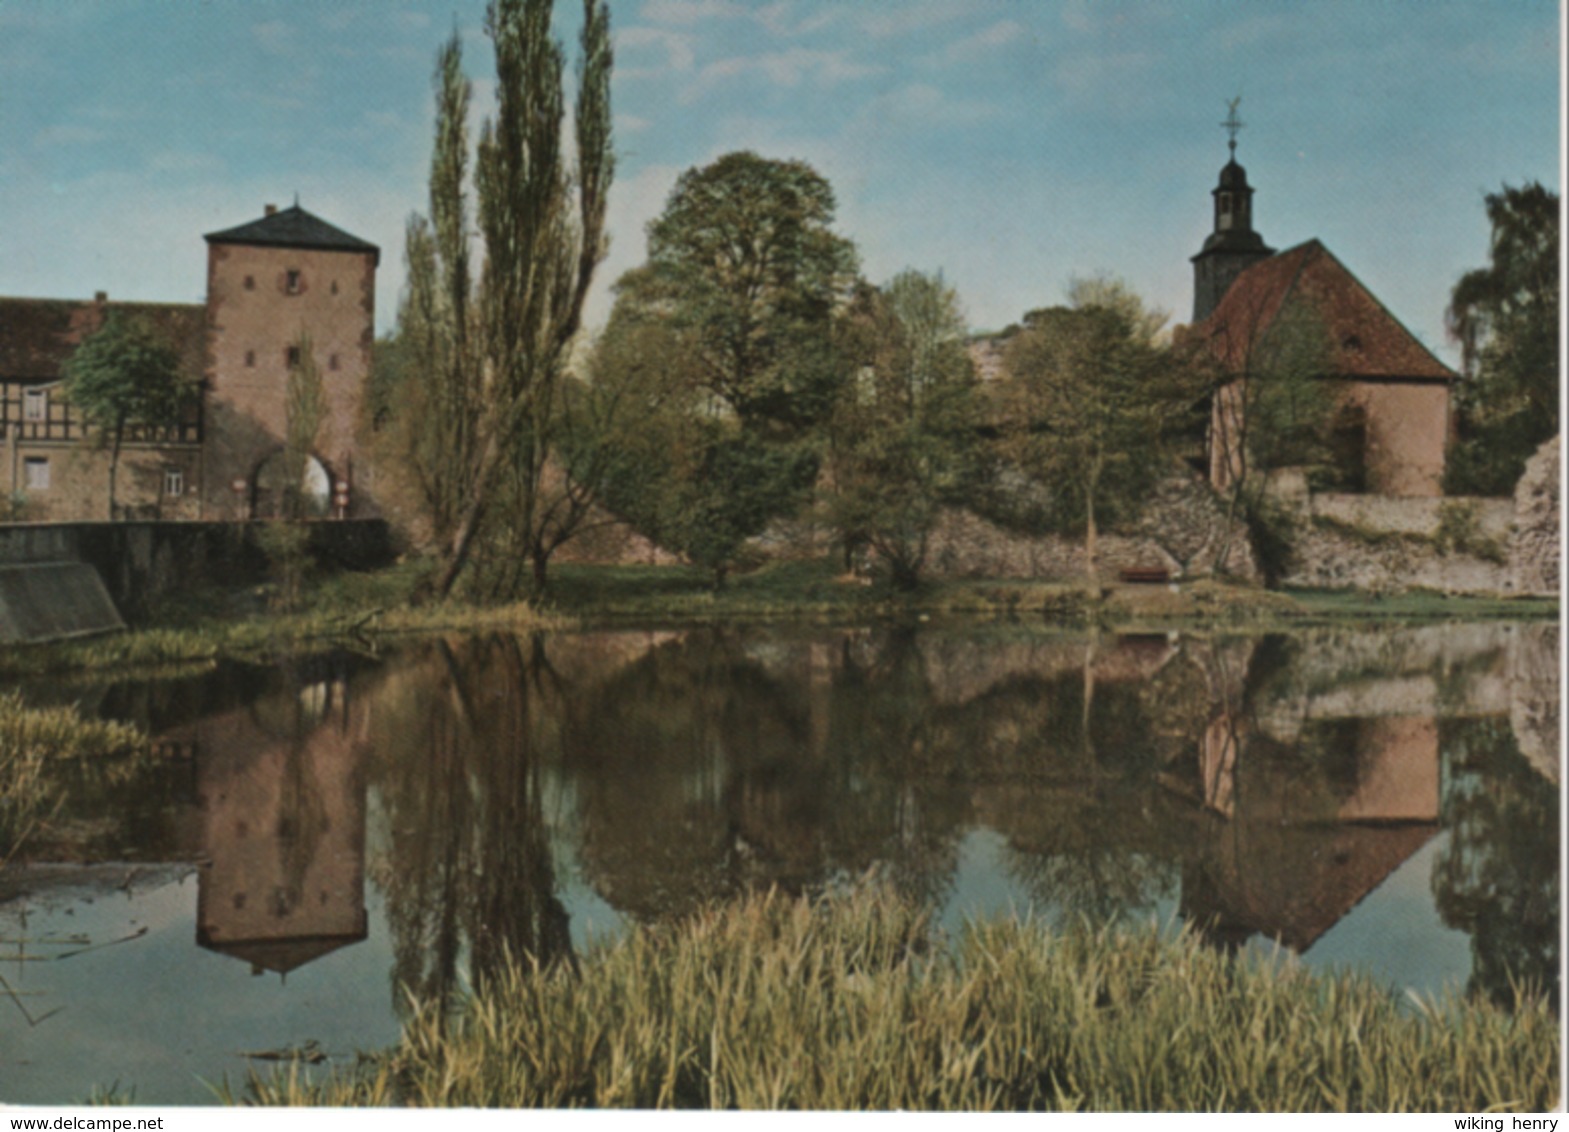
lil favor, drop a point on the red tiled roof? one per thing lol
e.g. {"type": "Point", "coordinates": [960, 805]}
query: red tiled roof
{"type": "Point", "coordinates": [1366, 340]}
{"type": "Point", "coordinates": [38, 335]}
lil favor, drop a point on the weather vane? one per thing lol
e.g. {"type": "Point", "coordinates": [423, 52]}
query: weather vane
{"type": "Point", "coordinates": [1232, 123]}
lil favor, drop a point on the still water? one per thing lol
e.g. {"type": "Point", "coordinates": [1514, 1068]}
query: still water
{"type": "Point", "coordinates": [315, 841]}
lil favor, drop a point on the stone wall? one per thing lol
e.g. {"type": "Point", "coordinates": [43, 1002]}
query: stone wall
{"type": "Point", "coordinates": [1535, 545]}
{"type": "Point", "coordinates": [141, 564]}
{"type": "Point", "coordinates": [1452, 545]}
{"type": "Point", "coordinates": [1184, 528]}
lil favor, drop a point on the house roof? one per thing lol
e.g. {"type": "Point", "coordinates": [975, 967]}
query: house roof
{"type": "Point", "coordinates": [1367, 341]}
{"type": "Point", "coordinates": [294, 228]}
{"type": "Point", "coordinates": [37, 336]}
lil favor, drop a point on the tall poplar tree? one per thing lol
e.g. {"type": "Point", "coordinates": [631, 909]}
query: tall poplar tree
{"type": "Point", "coordinates": [493, 348]}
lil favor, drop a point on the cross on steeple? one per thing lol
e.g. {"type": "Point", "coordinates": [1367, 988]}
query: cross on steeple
{"type": "Point", "coordinates": [1232, 123]}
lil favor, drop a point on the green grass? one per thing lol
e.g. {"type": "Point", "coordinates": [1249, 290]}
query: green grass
{"type": "Point", "coordinates": [346, 608]}
{"type": "Point", "coordinates": [33, 741]}
{"type": "Point", "coordinates": [360, 609]}
{"type": "Point", "coordinates": [850, 1003]}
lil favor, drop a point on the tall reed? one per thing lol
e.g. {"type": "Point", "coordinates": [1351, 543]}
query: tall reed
{"type": "Point", "coordinates": [32, 742]}
{"type": "Point", "coordinates": [849, 1003]}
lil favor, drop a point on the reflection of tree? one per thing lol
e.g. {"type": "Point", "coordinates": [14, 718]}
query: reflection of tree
{"type": "Point", "coordinates": [1497, 877]}
{"type": "Point", "coordinates": [470, 872]}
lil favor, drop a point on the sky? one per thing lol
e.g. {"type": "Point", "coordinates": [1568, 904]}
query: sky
{"type": "Point", "coordinates": [1014, 145]}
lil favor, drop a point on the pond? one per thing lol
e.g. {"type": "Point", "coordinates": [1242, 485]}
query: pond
{"type": "Point", "coordinates": [313, 842]}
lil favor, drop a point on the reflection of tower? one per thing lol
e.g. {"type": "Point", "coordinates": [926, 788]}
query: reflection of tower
{"type": "Point", "coordinates": [283, 802]}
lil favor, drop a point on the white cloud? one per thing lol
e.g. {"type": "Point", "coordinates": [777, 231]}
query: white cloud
{"type": "Point", "coordinates": [973, 48]}
{"type": "Point", "coordinates": [790, 68]}
{"type": "Point", "coordinates": [685, 13]}
{"type": "Point", "coordinates": [69, 133]}
{"type": "Point", "coordinates": [654, 52]}
{"type": "Point", "coordinates": [275, 37]}
{"type": "Point", "coordinates": [634, 201]}
{"type": "Point", "coordinates": [886, 20]}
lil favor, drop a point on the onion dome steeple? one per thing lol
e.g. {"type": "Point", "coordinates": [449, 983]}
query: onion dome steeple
{"type": "Point", "coordinates": [1233, 245]}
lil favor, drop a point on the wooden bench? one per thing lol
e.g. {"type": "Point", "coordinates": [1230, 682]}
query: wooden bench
{"type": "Point", "coordinates": [1146, 575]}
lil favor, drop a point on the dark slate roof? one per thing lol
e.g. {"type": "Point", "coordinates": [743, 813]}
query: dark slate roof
{"type": "Point", "coordinates": [294, 228]}
{"type": "Point", "coordinates": [38, 335]}
{"type": "Point", "coordinates": [1368, 342]}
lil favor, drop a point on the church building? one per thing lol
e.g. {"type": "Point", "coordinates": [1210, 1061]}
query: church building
{"type": "Point", "coordinates": [279, 284]}
{"type": "Point", "coordinates": [1392, 395]}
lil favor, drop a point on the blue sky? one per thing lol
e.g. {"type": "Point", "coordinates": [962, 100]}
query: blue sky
{"type": "Point", "coordinates": [1013, 144]}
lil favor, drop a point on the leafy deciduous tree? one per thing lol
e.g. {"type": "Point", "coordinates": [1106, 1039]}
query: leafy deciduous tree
{"type": "Point", "coordinates": [1506, 318]}
{"type": "Point", "coordinates": [1095, 397]}
{"type": "Point", "coordinates": [904, 430]}
{"type": "Point", "coordinates": [124, 377]}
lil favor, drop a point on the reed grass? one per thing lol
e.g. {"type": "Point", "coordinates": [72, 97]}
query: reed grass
{"type": "Point", "coordinates": [851, 1003]}
{"type": "Point", "coordinates": [33, 741]}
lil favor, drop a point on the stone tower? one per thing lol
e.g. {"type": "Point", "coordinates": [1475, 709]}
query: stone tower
{"type": "Point", "coordinates": [271, 284]}
{"type": "Point", "coordinates": [1233, 246]}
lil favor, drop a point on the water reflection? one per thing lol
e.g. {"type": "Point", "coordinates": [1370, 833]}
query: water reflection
{"type": "Point", "coordinates": [1257, 788]}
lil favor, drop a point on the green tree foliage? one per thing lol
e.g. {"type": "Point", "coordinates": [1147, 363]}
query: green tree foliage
{"type": "Point", "coordinates": [903, 432]}
{"type": "Point", "coordinates": [1272, 408]}
{"type": "Point", "coordinates": [692, 478]}
{"type": "Point", "coordinates": [1506, 318]}
{"type": "Point", "coordinates": [731, 321]}
{"type": "Point", "coordinates": [745, 265]}
{"type": "Point", "coordinates": [1096, 397]}
{"type": "Point", "coordinates": [492, 346]}
{"type": "Point", "coordinates": [123, 378]}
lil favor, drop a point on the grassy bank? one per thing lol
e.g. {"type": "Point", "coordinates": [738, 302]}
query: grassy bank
{"type": "Point", "coordinates": [360, 609]}
{"type": "Point", "coordinates": [817, 589]}
{"type": "Point", "coordinates": [844, 1004]}
{"type": "Point", "coordinates": [354, 609]}
{"type": "Point", "coordinates": [33, 741]}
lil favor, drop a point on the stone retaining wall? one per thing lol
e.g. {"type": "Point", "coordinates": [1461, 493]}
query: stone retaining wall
{"type": "Point", "coordinates": [142, 563]}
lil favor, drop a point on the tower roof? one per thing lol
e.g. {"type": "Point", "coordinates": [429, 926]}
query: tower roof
{"type": "Point", "coordinates": [1233, 176]}
{"type": "Point", "coordinates": [294, 228]}
{"type": "Point", "coordinates": [1366, 340]}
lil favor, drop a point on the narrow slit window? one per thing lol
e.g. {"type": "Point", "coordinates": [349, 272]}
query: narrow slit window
{"type": "Point", "coordinates": [292, 284]}
{"type": "Point", "coordinates": [292, 356]}
{"type": "Point", "coordinates": [250, 358]}
{"type": "Point", "coordinates": [250, 282]}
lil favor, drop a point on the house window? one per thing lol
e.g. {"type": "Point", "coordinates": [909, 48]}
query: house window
{"type": "Point", "coordinates": [35, 473]}
{"type": "Point", "coordinates": [292, 356]}
{"type": "Point", "coordinates": [250, 357]}
{"type": "Point", "coordinates": [35, 405]}
{"type": "Point", "coordinates": [250, 282]}
{"type": "Point", "coordinates": [173, 481]}
{"type": "Point", "coordinates": [293, 283]}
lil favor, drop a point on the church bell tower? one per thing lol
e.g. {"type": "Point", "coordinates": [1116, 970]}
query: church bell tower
{"type": "Point", "coordinates": [1233, 246]}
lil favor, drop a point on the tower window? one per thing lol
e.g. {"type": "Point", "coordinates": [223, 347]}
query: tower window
{"type": "Point", "coordinates": [332, 361]}
{"type": "Point", "coordinates": [334, 286]}
{"type": "Point", "coordinates": [250, 357]}
{"type": "Point", "coordinates": [250, 282]}
{"type": "Point", "coordinates": [35, 473]}
{"type": "Point", "coordinates": [292, 356]}
{"type": "Point", "coordinates": [173, 481]}
{"type": "Point", "coordinates": [35, 405]}
{"type": "Point", "coordinates": [292, 283]}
